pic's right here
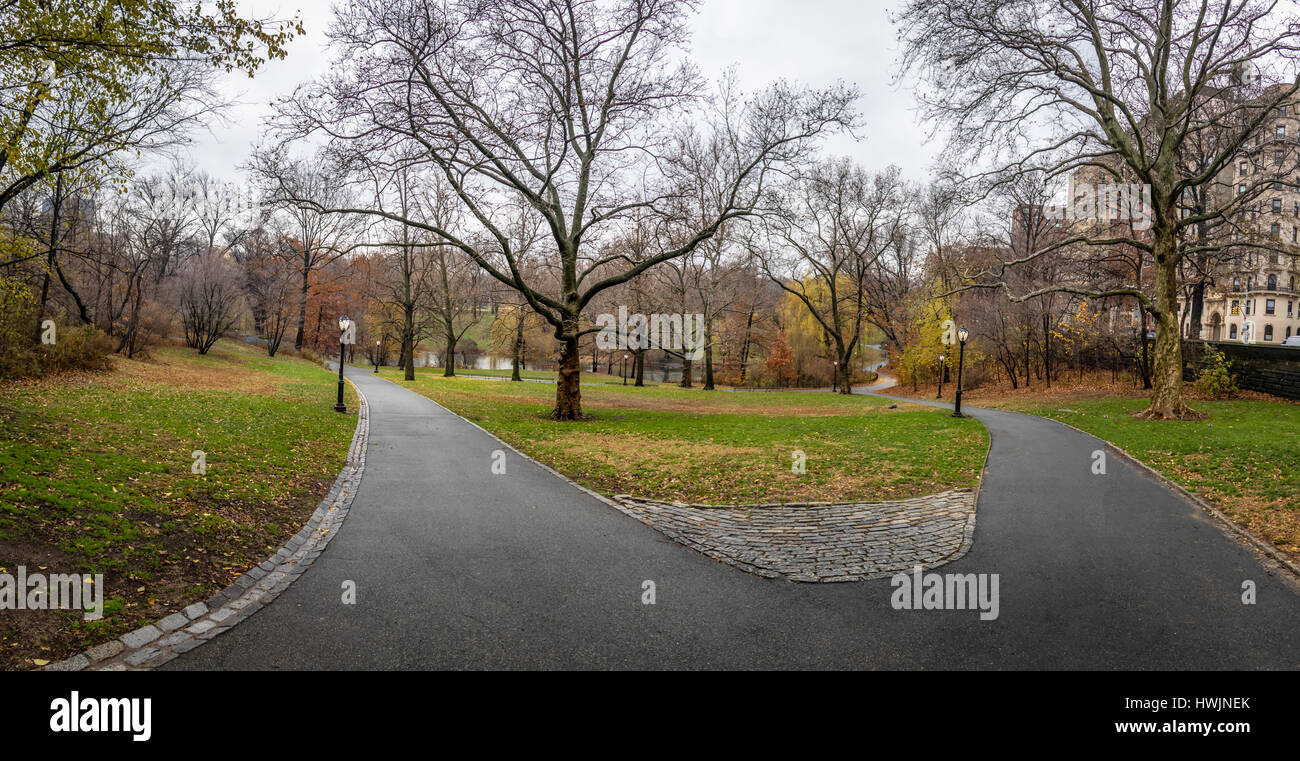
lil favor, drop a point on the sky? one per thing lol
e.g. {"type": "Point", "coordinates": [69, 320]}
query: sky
{"type": "Point", "coordinates": [814, 42]}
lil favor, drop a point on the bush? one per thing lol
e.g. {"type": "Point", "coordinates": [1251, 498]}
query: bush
{"type": "Point", "coordinates": [82, 348]}
{"type": "Point", "coordinates": [22, 356]}
{"type": "Point", "coordinates": [1214, 380]}
{"type": "Point", "coordinates": [310, 355]}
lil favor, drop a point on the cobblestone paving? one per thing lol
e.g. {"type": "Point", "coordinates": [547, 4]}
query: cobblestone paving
{"type": "Point", "coordinates": [153, 645]}
{"type": "Point", "coordinates": [820, 541]}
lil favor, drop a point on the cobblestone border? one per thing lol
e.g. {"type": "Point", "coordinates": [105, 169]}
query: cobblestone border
{"type": "Point", "coordinates": [153, 645]}
{"type": "Point", "coordinates": [820, 542]}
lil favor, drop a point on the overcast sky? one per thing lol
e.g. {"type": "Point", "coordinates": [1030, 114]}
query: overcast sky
{"type": "Point", "coordinates": [814, 42]}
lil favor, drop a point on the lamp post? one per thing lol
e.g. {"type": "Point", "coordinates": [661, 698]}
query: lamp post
{"type": "Point", "coordinates": [344, 325]}
{"type": "Point", "coordinates": [624, 370]}
{"type": "Point", "coordinates": [377, 356]}
{"type": "Point", "coordinates": [940, 394]}
{"type": "Point", "coordinates": [835, 382]}
{"type": "Point", "coordinates": [962, 335]}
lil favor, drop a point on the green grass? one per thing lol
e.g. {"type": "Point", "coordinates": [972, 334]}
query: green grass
{"type": "Point", "coordinates": [96, 472]}
{"type": "Point", "coordinates": [1244, 458]}
{"type": "Point", "coordinates": [723, 447]}
{"type": "Point", "coordinates": [549, 375]}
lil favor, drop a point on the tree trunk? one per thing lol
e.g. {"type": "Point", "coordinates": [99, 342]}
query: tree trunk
{"type": "Point", "coordinates": [1167, 369]}
{"type": "Point", "coordinates": [517, 351]}
{"type": "Point", "coordinates": [449, 356]}
{"type": "Point", "coordinates": [708, 356]}
{"type": "Point", "coordinates": [50, 261]}
{"type": "Point", "coordinates": [640, 367]}
{"type": "Point", "coordinates": [686, 372]}
{"type": "Point", "coordinates": [568, 387]}
{"type": "Point", "coordinates": [302, 310]}
{"type": "Point", "coordinates": [744, 348]}
{"type": "Point", "coordinates": [408, 339]}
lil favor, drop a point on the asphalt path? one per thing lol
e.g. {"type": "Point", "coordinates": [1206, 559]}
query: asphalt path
{"type": "Point", "coordinates": [456, 567]}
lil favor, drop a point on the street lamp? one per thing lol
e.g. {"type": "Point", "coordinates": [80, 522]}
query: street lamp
{"type": "Point", "coordinates": [344, 325]}
{"type": "Point", "coordinates": [624, 370]}
{"type": "Point", "coordinates": [962, 335]}
{"type": "Point", "coordinates": [940, 394]}
{"type": "Point", "coordinates": [377, 341]}
{"type": "Point", "coordinates": [835, 382]}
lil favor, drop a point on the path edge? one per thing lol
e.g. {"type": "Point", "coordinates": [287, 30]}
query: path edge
{"type": "Point", "coordinates": [1227, 524]}
{"type": "Point", "coordinates": [164, 640]}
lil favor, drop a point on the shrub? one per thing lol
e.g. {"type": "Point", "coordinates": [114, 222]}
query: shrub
{"type": "Point", "coordinates": [1214, 380]}
{"type": "Point", "coordinates": [81, 348]}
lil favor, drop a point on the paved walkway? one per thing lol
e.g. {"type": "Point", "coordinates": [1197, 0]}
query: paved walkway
{"type": "Point", "coordinates": [458, 568]}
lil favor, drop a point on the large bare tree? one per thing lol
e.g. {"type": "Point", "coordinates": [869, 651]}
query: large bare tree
{"type": "Point", "coordinates": [1119, 88]}
{"type": "Point", "coordinates": [567, 106]}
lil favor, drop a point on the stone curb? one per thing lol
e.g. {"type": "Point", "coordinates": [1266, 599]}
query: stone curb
{"type": "Point", "coordinates": [968, 534]}
{"type": "Point", "coordinates": [162, 641]}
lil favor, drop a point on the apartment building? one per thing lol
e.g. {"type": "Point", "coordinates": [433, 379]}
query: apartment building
{"type": "Point", "coordinates": [1252, 296]}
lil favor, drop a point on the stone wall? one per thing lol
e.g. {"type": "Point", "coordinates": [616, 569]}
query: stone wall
{"type": "Point", "coordinates": [1271, 369]}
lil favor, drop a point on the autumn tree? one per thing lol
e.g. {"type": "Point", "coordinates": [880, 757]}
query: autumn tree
{"type": "Point", "coordinates": [1057, 86]}
{"type": "Point", "coordinates": [564, 107]}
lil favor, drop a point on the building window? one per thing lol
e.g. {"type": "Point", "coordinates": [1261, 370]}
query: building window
{"type": "Point", "coordinates": [1268, 332]}
{"type": "Point", "coordinates": [1272, 257]}
{"type": "Point", "coordinates": [1243, 169]}
{"type": "Point", "coordinates": [1248, 303]}
{"type": "Point", "coordinates": [1272, 280]}
{"type": "Point", "coordinates": [1270, 306]}
{"type": "Point", "coordinates": [1289, 306]}
{"type": "Point", "coordinates": [1281, 132]}
{"type": "Point", "coordinates": [1232, 330]}
{"type": "Point", "coordinates": [1291, 286]}
{"type": "Point", "coordinates": [1275, 231]}
{"type": "Point", "coordinates": [1241, 190]}
{"type": "Point", "coordinates": [1277, 205]}
{"type": "Point", "coordinates": [1281, 110]}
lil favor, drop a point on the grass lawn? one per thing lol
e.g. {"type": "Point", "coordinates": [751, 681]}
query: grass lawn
{"type": "Point", "coordinates": [726, 448]}
{"type": "Point", "coordinates": [1244, 458]}
{"type": "Point", "coordinates": [96, 473]}
{"type": "Point", "coordinates": [548, 375]}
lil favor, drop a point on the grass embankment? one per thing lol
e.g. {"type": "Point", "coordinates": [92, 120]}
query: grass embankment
{"type": "Point", "coordinates": [1244, 458]}
{"type": "Point", "coordinates": [97, 477]}
{"type": "Point", "coordinates": [726, 448]}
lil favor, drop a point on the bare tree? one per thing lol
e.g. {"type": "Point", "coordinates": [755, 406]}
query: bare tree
{"type": "Point", "coordinates": [563, 106]}
{"type": "Point", "coordinates": [836, 223]}
{"type": "Point", "coordinates": [209, 299]}
{"type": "Point", "coordinates": [321, 237]}
{"type": "Point", "coordinates": [1120, 87]}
